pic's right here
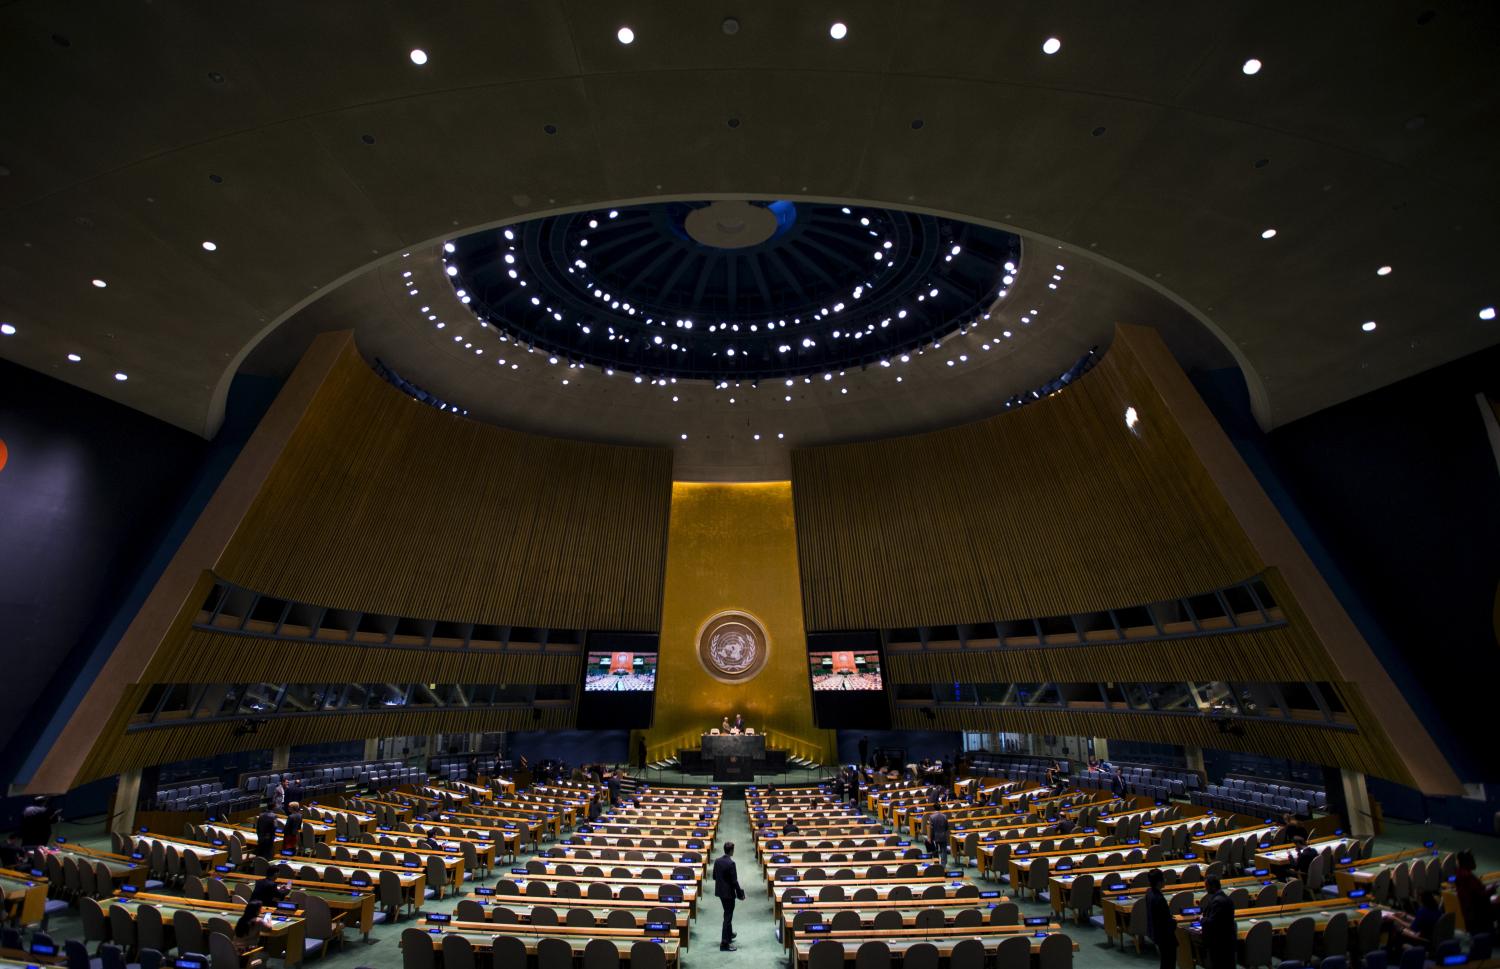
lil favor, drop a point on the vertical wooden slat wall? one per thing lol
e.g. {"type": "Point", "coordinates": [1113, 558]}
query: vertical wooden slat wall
{"type": "Point", "coordinates": [1049, 509]}
{"type": "Point", "coordinates": [384, 504]}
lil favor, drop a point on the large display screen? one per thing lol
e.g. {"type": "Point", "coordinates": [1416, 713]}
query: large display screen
{"type": "Point", "coordinates": [845, 669]}
{"type": "Point", "coordinates": [620, 671]}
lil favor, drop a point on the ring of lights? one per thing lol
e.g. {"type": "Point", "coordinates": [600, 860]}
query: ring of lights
{"type": "Point", "coordinates": [641, 289]}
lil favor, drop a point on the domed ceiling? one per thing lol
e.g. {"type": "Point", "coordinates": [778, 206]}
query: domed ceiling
{"type": "Point", "coordinates": [731, 290]}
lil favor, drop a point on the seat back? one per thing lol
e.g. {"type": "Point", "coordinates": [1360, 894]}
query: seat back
{"type": "Point", "coordinates": [1257, 945]}
{"type": "Point", "coordinates": [458, 952]}
{"type": "Point", "coordinates": [416, 950]}
{"type": "Point", "coordinates": [1056, 952]}
{"type": "Point", "coordinates": [873, 954]}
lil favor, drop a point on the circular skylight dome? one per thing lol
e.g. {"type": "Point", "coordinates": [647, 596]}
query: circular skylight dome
{"type": "Point", "coordinates": [731, 290]}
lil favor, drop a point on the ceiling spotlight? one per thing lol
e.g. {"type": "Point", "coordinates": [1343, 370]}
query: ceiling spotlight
{"type": "Point", "coordinates": [625, 35]}
{"type": "Point", "coordinates": [757, 437]}
{"type": "Point", "coordinates": [8, 329]}
{"type": "Point", "coordinates": [1131, 418]}
{"type": "Point", "coordinates": [1268, 234]}
{"type": "Point", "coordinates": [1383, 271]}
{"type": "Point", "coordinates": [1368, 326]}
{"type": "Point", "coordinates": [837, 30]}
{"type": "Point", "coordinates": [779, 435]}
{"type": "Point", "coordinates": [100, 283]}
{"type": "Point", "coordinates": [684, 437]}
{"type": "Point", "coordinates": [451, 270]}
{"type": "Point", "coordinates": [1488, 313]}
{"type": "Point", "coordinates": [1051, 45]}
{"type": "Point", "coordinates": [121, 376]}
{"type": "Point", "coordinates": [419, 56]}
{"type": "Point", "coordinates": [1252, 66]}
{"type": "Point", "coordinates": [210, 246]}
{"type": "Point", "coordinates": [74, 358]}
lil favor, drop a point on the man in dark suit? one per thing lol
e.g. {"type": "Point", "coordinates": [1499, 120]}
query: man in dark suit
{"type": "Point", "coordinates": [937, 831]}
{"type": "Point", "coordinates": [1161, 925]}
{"type": "Point", "coordinates": [1220, 930]}
{"type": "Point", "coordinates": [864, 751]}
{"type": "Point", "coordinates": [727, 890]}
{"type": "Point", "coordinates": [265, 834]}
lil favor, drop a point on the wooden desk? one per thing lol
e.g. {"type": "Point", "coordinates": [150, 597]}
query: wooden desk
{"type": "Point", "coordinates": [287, 933]}
{"type": "Point", "coordinates": [481, 936]}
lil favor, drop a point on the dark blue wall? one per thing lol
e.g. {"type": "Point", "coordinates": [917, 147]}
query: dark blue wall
{"type": "Point", "coordinates": [94, 501]}
{"type": "Point", "coordinates": [88, 487]}
{"type": "Point", "coordinates": [918, 743]}
{"type": "Point", "coordinates": [574, 747]}
{"type": "Point", "coordinates": [1393, 494]}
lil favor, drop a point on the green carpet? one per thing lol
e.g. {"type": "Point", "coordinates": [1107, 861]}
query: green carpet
{"type": "Point", "coordinates": [758, 945]}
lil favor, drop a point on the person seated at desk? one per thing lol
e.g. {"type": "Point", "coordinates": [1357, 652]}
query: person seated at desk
{"type": "Point", "coordinates": [1054, 775]}
{"type": "Point", "coordinates": [248, 929]}
{"type": "Point", "coordinates": [790, 827]}
{"type": "Point", "coordinates": [11, 852]}
{"type": "Point", "coordinates": [1473, 898]}
{"type": "Point", "coordinates": [1416, 928]}
{"type": "Point", "coordinates": [1302, 855]}
{"type": "Point", "coordinates": [1290, 829]}
{"type": "Point", "coordinates": [268, 891]}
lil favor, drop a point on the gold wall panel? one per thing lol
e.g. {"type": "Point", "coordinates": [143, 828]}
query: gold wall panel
{"type": "Point", "coordinates": [383, 504]}
{"type": "Point", "coordinates": [733, 547]}
{"type": "Point", "coordinates": [1046, 510]}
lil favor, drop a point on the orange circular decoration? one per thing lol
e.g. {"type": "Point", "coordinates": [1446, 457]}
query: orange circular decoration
{"type": "Point", "coordinates": [4, 453]}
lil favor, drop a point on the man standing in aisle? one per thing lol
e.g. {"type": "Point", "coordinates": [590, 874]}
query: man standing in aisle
{"type": "Point", "coordinates": [727, 889]}
{"type": "Point", "coordinates": [1220, 930]}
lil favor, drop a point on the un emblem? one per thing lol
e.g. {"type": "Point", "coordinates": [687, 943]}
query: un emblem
{"type": "Point", "coordinates": [732, 647]}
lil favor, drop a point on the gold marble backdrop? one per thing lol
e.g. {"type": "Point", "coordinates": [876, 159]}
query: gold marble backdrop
{"type": "Point", "coordinates": [733, 547]}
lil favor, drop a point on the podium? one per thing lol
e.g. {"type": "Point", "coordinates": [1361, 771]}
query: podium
{"type": "Point", "coordinates": [733, 757]}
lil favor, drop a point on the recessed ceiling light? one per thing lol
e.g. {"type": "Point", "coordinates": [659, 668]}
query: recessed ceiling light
{"type": "Point", "coordinates": [1268, 234]}
{"type": "Point", "coordinates": [838, 30]}
{"type": "Point", "coordinates": [451, 270]}
{"type": "Point", "coordinates": [625, 35]}
{"type": "Point", "coordinates": [100, 283]}
{"type": "Point", "coordinates": [1383, 271]}
{"type": "Point", "coordinates": [419, 57]}
{"type": "Point", "coordinates": [779, 435]}
{"type": "Point", "coordinates": [1488, 313]}
{"type": "Point", "coordinates": [121, 376]}
{"type": "Point", "coordinates": [8, 329]}
{"type": "Point", "coordinates": [74, 358]}
{"type": "Point", "coordinates": [1368, 326]}
{"type": "Point", "coordinates": [1252, 66]}
{"type": "Point", "coordinates": [684, 437]}
{"type": "Point", "coordinates": [210, 246]}
{"type": "Point", "coordinates": [449, 247]}
{"type": "Point", "coordinates": [1051, 45]}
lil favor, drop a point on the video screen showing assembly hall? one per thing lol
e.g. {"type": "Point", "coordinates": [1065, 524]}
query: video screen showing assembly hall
{"type": "Point", "coordinates": [579, 485]}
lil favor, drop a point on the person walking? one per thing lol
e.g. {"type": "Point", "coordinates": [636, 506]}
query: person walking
{"type": "Point", "coordinates": [727, 889]}
{"type": "Point", "coordinates": [937, 831]}
{"type": "Point", "coordinates": [291, 830]}
{"type": "Point", "coordinates": [265, 834]}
